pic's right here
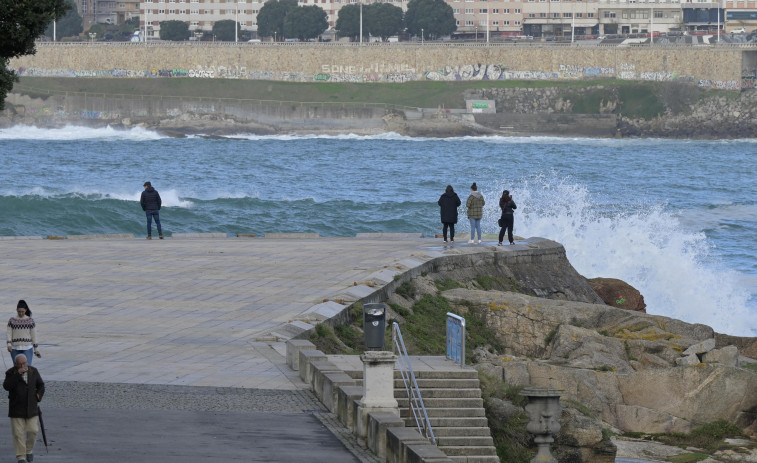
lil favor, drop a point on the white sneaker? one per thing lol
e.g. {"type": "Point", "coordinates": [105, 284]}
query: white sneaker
{"type": "Point", "coordinates": [470, 241]}
{"type": "Point", "coordinates": [479, 241]}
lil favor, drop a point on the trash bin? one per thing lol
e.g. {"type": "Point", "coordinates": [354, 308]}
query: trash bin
{"type": "Point", "coordinates": [374, 324]}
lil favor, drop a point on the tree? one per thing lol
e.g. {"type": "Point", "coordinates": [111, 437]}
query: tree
{"type": "Point", "coordinates": [225, 30]}
{"type": "Point", "coordinates": [271, 17]}
{"type": "Point", "coordinates": [21, 23]}
{"type": "Point", "coordinates": [348, 22]}
{"type": "Point", "coordinates": [98, 29]}
{"type": "Point", "coordinates": [382, 20]}
{"type": "Point", "coordinates": [174, 30]}
{"type": "Point", "coordinates": [68, 26]}
{"type": "Point", "coordinates": [305, 22]}
{"type": "Point", "coordinates": [434, 17]}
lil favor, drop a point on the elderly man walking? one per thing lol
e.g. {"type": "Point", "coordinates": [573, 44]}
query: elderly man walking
{"type": "Point", "coordinates": [25, 389]}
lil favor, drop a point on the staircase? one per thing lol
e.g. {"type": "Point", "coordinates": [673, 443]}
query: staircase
{"type": "Point", "coordinates": [452, 398]}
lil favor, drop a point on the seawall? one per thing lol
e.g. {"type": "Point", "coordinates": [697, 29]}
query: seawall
{"type": "Point", "coordinates": [712, 67]}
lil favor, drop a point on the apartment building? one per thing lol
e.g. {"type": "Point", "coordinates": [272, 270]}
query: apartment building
{"type": "Point", "coordinates": [202, 14]}
{"type": "Point", "coordinates": [476, 19]}
{"type": "Point", "coordinates": [107, 11]}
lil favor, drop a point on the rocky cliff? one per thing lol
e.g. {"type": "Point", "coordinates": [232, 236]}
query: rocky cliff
{"type": "Point", "coordinates": [621, 370]}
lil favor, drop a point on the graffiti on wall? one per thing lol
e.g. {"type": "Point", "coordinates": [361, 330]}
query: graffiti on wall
{"type": "Point", "coordinates": [720, 84]}
{"type": "Point", "coordinates": [100, 115]}
{"type": "Point", "coordinates": [397, 73]}
{"type": "Point", "coordinates": [573, 71]}
{"type": "Point", "coordinates": [486, 72]}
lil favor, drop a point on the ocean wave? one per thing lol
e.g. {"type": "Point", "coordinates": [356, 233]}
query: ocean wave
{"type": "Point", "coordinates": [677, 270]}
{"type": "Point", "coordinates": [718, 215]}
{"type": "Point", "coordinates": [72, 132]}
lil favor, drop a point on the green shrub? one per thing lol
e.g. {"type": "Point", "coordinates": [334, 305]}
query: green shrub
{"type": "Point", "coordinates": [406, 290]}
{"type": "Point", "coordinates": [688, 457]}
{"type": "Point", "coordinates": [447, 283]}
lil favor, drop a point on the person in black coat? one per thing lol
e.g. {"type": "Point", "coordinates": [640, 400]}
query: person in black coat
{"type": "Point", "coordinates": [25, 389]}
{"type": "Point", "coordinates": [507, 220]}
{"type": "Point", "coordinates": [448, 203]}
{"type": "Point", "coordinates": [151, 202]}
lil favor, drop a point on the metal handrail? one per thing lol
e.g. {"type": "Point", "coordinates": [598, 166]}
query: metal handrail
{"type": "Point", "coordinates": [415, 401]}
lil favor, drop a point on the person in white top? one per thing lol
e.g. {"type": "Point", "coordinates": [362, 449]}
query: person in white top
{"type": "Point", "coordinates": [21, 335]}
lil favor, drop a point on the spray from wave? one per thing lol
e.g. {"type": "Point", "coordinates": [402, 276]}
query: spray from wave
{"type": "Point", "coordinates": [676, 270]}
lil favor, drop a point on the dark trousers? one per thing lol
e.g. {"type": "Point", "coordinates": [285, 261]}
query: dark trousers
{"type": "Point", "coordinates": [508, 220]}
{"type": "Point", "coordinates": [150, 215]}
{"type": "Point", "coordinates": [451, 227]}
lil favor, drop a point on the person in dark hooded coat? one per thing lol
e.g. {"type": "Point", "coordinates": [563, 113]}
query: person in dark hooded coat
{"type": "Point", "coordinates": [448, 203]}
{"type": "Point", "coordinates": [151, 202]}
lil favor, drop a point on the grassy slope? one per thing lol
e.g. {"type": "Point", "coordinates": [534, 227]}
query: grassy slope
{"type": "Point", "coordinates": [422, 94]}
{"type": "Point", "coordinates": [645, 100]}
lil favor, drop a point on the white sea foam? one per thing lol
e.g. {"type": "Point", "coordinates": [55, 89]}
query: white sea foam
{"type": "Point", "coordinates": [676, 270]}
{"type": "Point", "coordinates": [170, 198]}
{"type": "Point", "coordinates": [349, 136]}
{"type": "Point", "coordinates": [72, 132]}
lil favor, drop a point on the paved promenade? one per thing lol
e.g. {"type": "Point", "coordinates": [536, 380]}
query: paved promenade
{"type": "Point", "coordinates": [174, 350]}
{"type": "Point", "coordinates": [200, 312]}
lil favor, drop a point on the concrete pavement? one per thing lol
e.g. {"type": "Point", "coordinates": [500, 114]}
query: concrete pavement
{"type": "Point", "coordinates": [179, 311]}
{"type": "Point", "coordinates": [195, 314]}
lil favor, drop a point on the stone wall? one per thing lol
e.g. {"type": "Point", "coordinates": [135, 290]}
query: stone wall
{"type": "Point", "coordinates": [338, 62]}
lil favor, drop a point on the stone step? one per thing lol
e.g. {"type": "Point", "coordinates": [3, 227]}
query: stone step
{"type": "Point", "coordinates": [460, 441]}
{"type": "Point", "coordinates": [432, 383]}
{"type": "Point", "coordinates": [441, 375]}
{"type": "Point", "coordinates": [432, 402]}
{"type": "Point", "coordinates": [462, 431]}
{"type": "Point", "coordinates": [452, 421]}
{"type": "Point", "coordinates": [447, 412]}
{"type": "Point", "coordinates": [475, 459]}
{"type": "Point", "coordinates": [467, 393]}
{"type": "Point", "coordinates": [483, 450]}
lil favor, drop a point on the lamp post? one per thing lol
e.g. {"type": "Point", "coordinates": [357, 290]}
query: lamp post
{"type": "Point", "coordinates": [274, 36]}
{"type": "Point", "coordinates": [361, 22]}
{"type": "Point", "coordinates": [487, 25]}
{"type": "Point", "coordinates": [92, 36]}
{"type": "Point", "coordinates": [421, 36]}
{"type": "Point", "coordinates": [476, 34]}
{"type": "Point", "coordinates": [236, 24]}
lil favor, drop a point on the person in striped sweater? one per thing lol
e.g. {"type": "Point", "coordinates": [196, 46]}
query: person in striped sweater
{"type": "Point", "coordinates": [21, 335]}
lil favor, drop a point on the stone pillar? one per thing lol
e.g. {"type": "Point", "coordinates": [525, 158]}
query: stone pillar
{"type": "Point", "coordinates": [378, 388]}
{"type": "Point", "coordinates": [544, 411]}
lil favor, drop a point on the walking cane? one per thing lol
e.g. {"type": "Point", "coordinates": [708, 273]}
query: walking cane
{"type": "Point", "coordinates": [42, 428]}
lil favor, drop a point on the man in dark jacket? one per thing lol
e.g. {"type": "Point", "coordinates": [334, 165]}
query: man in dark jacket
{"type": "Point", "coordinates": [151, 203]}
{"type": "Point", "coordinates": [25, 389]}
{"type": "Point", "coordinates": [448, 204]}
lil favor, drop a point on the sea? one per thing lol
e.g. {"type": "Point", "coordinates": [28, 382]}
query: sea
{"type": "Point", "coordinates": [677, 219]}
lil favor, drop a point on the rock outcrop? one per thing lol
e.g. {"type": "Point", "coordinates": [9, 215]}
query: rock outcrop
{"type": "Point", "coordinates": [622, 365]}
{"type": "Point", "coordinates": [618, 293]}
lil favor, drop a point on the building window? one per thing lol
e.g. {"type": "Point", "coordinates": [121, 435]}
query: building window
{"type": "Point", "coordinates": [455, 10]}
{"type": "Point", "coordinates": [483, 10]}
{"type": "Point", "coordinates": [567, 15]}
{"type": "Point", "coordinates": [658, 14]}
{"type": "Point", "coordinates": [469, 11]}
{"type": "Point", "coordinates": [589, 15]}
{"type": "Point", "coordinates": [517, 23]}
{"type": "Point", "coordinates": [468, 22]}
{"type": "Point", "coordinates": [609, 14]}
{"type": "Point", "coordinates": [517, 11]}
